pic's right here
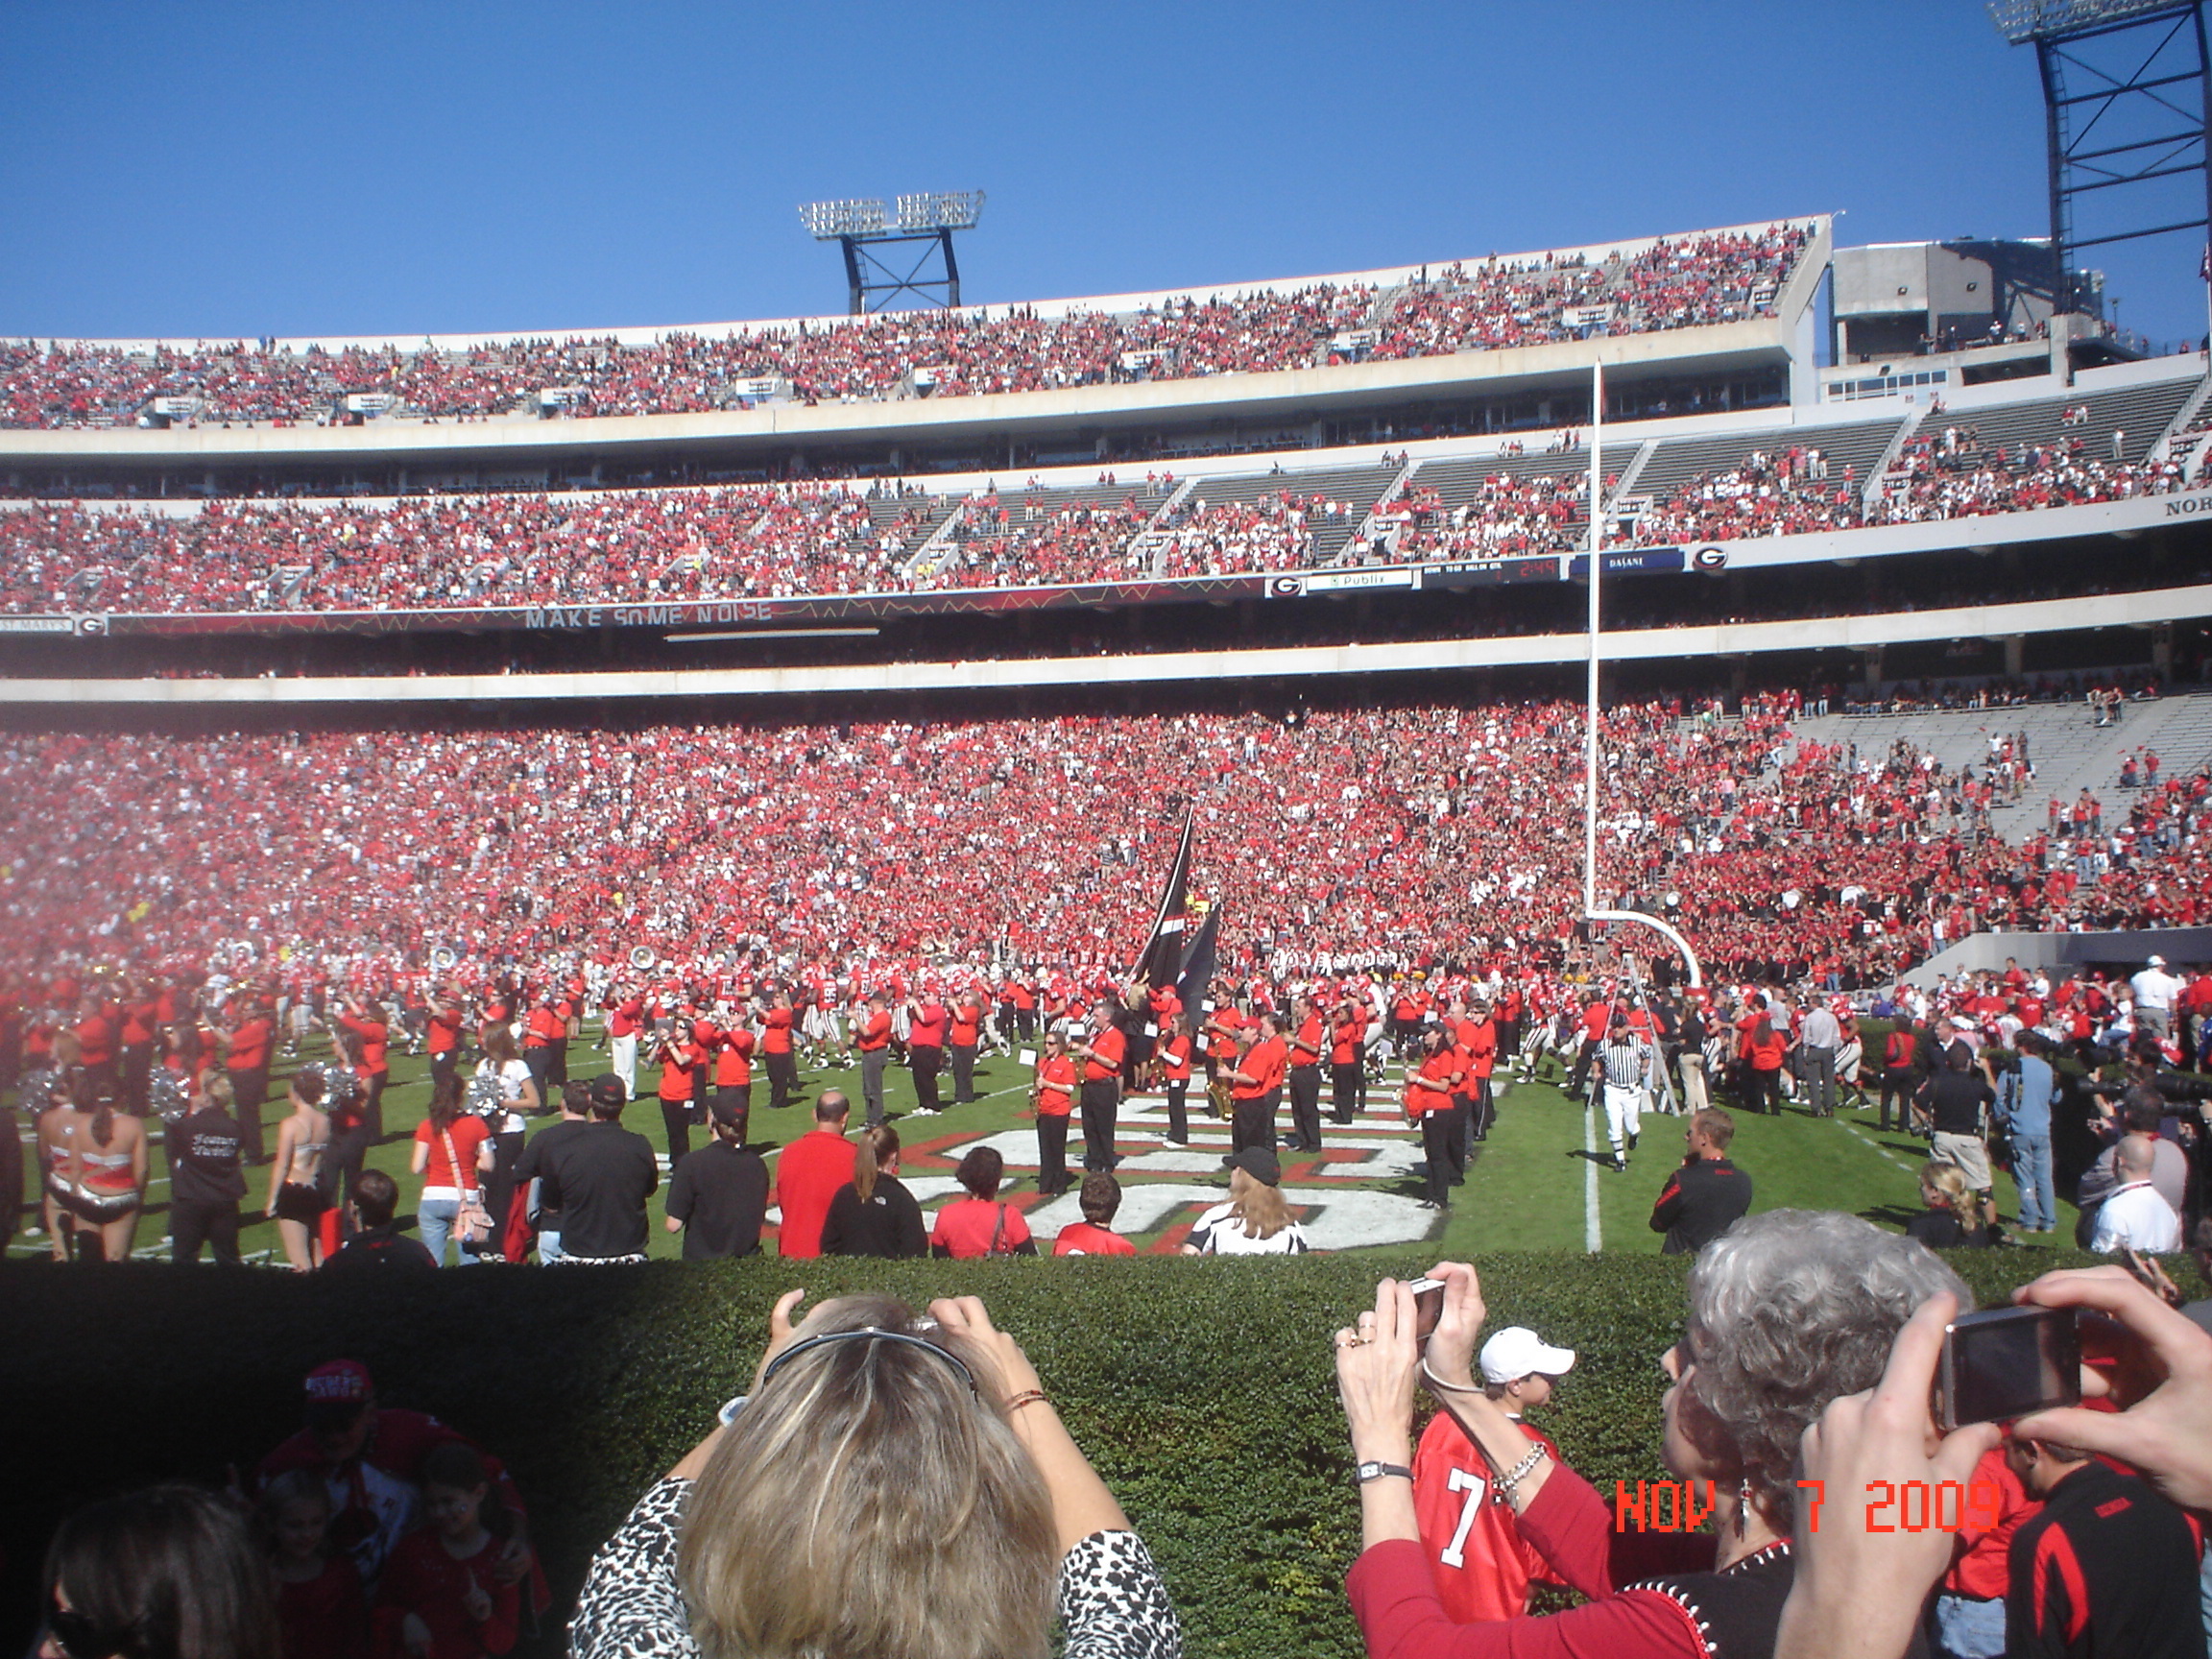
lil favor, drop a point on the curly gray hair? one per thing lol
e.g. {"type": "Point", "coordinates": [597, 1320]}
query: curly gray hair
{"type": "Point", "coordinates": [1787, 1310]}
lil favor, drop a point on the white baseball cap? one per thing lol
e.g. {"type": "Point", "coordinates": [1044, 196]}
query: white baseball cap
{"type": "Point", "coordinates": [2156, 962]}
{"type": "Point", "coordinates": [1517, 1352]}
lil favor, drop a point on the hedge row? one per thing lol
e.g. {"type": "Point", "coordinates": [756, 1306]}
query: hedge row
{"type": "Point", "coordinates": [1202, 1389]}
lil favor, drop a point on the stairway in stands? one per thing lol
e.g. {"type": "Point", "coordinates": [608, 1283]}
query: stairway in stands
{"type": "Point", "coordinates": [2071, 753]}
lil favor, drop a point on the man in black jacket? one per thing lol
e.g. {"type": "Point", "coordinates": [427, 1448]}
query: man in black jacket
{"type": "Point", "coordinates": [2107, 1567]}
{"type": "Point", "coordinates": [1707, 1195]}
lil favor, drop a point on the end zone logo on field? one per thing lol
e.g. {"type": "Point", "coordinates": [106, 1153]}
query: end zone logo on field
{"type": "Point", "coordinates": [1709, 558]}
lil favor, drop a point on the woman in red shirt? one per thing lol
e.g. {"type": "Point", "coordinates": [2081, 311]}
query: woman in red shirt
{"type": "Point", "coordinates": [980, 1224]}
{"type": "Point", "coordinates": [1174, 1054]}
{"type": "Point", "coordinates": [1762, 1053]}
{"type": "Point", "coordinates": [682, 1063]}
{"type": "Point", "coordinates": [453, 1149]}
{"type": "Point", "coordinates": [1053, 1094]}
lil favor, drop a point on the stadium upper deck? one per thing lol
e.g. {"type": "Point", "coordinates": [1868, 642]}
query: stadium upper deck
{"type": "Point", "coordinates": [1714, 315]}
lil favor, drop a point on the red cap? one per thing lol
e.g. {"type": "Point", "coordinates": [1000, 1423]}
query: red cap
{"type": "Point", "coordinates": [339, 1382]}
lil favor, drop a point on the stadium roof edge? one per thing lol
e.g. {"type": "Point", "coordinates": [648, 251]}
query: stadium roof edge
{"type": "Point", "coordinates": [646, 334]}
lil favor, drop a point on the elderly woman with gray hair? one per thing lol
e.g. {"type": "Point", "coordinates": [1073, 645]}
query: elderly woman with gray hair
{"type": "Point", "coordinates": [1786, 1311]}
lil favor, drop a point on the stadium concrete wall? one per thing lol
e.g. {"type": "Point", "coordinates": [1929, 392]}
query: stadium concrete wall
{"type": "Point", "coordinates": [1987, 952]}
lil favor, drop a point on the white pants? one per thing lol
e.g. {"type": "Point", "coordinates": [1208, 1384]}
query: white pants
{"type": "Point", "coordinates": [1624, 1113]}
{"type": "Point", "coordinates": [623, 1057]}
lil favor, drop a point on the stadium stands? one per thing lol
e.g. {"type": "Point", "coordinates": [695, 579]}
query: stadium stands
{"type": "Point", "coordinates": [1400, 832]}
{"type": "Point", "coordinates": [1706, 278]}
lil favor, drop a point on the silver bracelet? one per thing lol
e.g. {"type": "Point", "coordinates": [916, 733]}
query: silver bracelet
{"type": "Point", "coordinates": [1509, 1482]}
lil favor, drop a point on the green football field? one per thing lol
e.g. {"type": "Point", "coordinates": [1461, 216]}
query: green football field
{"type": "Point", "coordinates": [1534, 1185]}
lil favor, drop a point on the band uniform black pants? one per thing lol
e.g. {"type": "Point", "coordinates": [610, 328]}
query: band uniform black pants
{"type": "Point", "coordinates": [928, 1062]}
{"type": "Point", "coordinates": [1101, 1117]}
{"type": "Point", "coordinates": [783, 1080]}
{"type": "Point", "coordinates": [248, 1091]}
{"type": "Point", "coordinates": [194, 1221]}
{"type": "Point", "coordinates": [1178, 1115]}
{"type": "Point", "coordinates": [1306, 1106]}
{"type": "Point", "coordinates": [1344, 1092]}
{"type": "Point", "coordinates": [1252, 1120]}
{"type": "Point", "coordinates": [963, 1056]}
{"type": "Point", "coordinates": [1052, 1153]}
{"type": "Point", "coordinates": [1440, 1147]}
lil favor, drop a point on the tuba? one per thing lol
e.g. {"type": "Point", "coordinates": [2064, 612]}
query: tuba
{"type": "Point", "coordinates": [445, 958]}
{"type": "Point", "coordinates": [642, 956]}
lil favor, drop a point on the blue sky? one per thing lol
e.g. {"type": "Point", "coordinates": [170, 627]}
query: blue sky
{"type": "Point", "coordinates": [382, 168]}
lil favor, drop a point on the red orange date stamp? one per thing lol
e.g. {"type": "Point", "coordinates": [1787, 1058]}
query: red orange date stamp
{"type": "Point", "coordinates": [1892, 1506]}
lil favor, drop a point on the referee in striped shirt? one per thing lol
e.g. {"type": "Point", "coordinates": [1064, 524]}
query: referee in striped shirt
{"type": "Point", "coordinates": [1626, 1060]}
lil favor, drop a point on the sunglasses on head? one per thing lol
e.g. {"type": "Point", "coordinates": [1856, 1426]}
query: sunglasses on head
{"type": "Point", "coordinates": [869, 1333]}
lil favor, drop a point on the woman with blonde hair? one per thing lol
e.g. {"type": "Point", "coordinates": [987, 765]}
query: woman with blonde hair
{"type": "Point", "coordinates": [1256, 1221]}
{"type": "Point", "coordinates": [894, 1486]}
{"type": "Point", "coordinates": [1952, 1216]}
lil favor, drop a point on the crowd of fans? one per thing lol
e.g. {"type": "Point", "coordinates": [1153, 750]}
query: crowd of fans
{"type": "Point", "coordinates": [1677, 282]}
{"type": "Point", "coordinates": [1397, 833]}
{"type": "Point", "coordinates": [1504, 516]}
{"type": "Point", "coordinates": [1948, 474]}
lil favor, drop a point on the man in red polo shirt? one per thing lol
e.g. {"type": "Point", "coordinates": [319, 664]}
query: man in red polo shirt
{"type": "Point", "coordinates": [1103, 1056]}
{"type": "Point", "coordinates": [625, 1012]}
{"type": "Point", "coordinates": [1347, 1054]}
{"type": "Point", "coordinates": [544, 1039]}
{"type": "Point", "coordinates": [96, 1043]}
{"type": "Point", "coordinates": [808, 1172]}
{"type": "Point", "coordinates": [872, 1038]}
{"type": "Point", "coordinates": [1478, 1042]}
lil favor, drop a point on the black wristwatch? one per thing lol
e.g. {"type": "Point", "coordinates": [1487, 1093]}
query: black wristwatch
{"type": "Point", "coordinates": [1367, 1472]}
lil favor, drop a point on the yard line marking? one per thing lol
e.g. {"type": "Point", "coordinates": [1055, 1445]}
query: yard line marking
{"type": "Point", "coordinates": [1878, 1147]}
{"type": "Point", "coordinates": [1593, 1240]}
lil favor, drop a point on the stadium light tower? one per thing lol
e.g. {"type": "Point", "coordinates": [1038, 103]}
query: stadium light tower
{"type": "Point", "coordinates": [2127, 101]}
{"type": "Point", "coordinates": [863, 227]}
{"type": "Point", "coordinates": [1590, 739]}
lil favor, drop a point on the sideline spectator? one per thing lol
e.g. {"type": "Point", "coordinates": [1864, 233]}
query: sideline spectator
{"type": "Point", "coordinates": [377, 1242]}
{"type": "Point", "coordinates": [980, 1224]}
{"type": "Point", "coordinates": [599, 1180]}
{"type": "Point", "coordinates": [538, 1156]}
{"type": "Point", "coordinates": [1256, 1220]}
{"type": "Point", "coordinates": [168, 1573]}
{"type": "Point", "coordinates": [2135, 1216]}
{"type": "Point", "coordinates": [1101, 1198]}
{"type": "Point", "coordinates": [1780, 1286]}
{"type": "Point", "coordinates": [1957, 1099]}
{"type": "Point", "coordinates": [718, 1198]}
{"type": "Point", "coordinates": [2025, 1101]}
{"type": "Point", "coordinates": [1707, 1194]}
{"type": "Point", "coordinates": [873, 1213]}
{"type": "Point", "coordinates": [1950, 1217]}
{"type": "Point", "coordinates": [452, 1148]}
{"type": "Point", "coordinates": [2106, 1565]}
{"type": "Point", "coordinates": [1483, 1566]}
{"type": "Point", "coordinates": [723, 1556]}
{"type": "Point", "coordinates": [808, 1172]}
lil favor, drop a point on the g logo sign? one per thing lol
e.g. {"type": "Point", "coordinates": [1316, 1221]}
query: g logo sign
{"type": "Point", "coordinates": [91, 625]}
{"type": "Point", "coordinates": [1287, 586]}
{"type": "Point", "coordinates": [1710, 559]}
